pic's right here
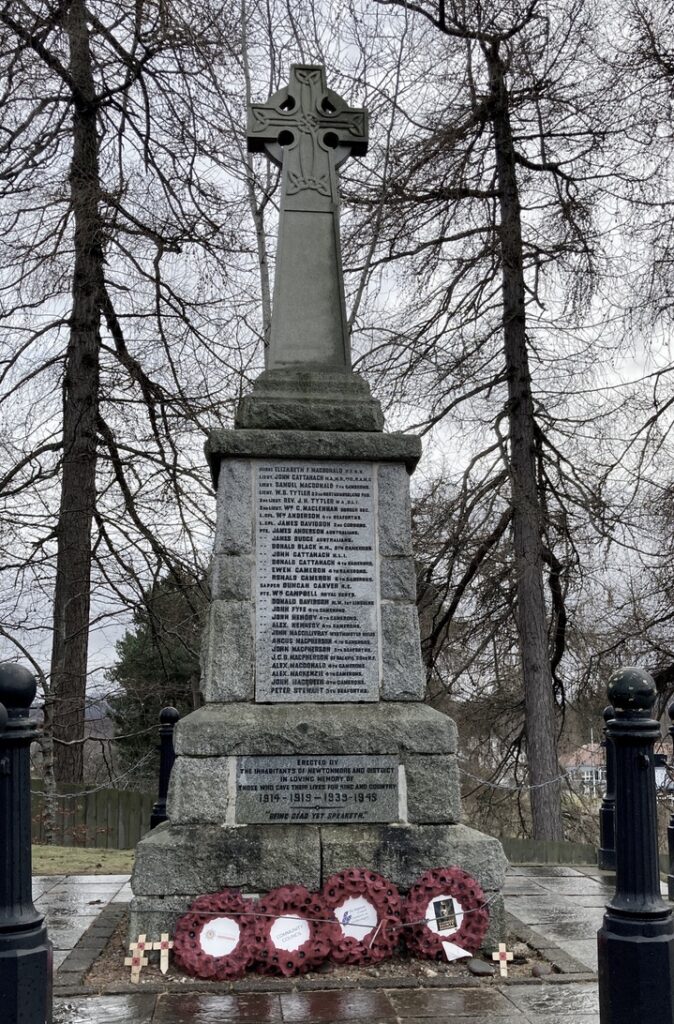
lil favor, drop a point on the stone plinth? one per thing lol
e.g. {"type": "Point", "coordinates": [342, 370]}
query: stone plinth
{"type": "Point", "coordinates": [247, 728]}
{"type": "Point", "coordinates": [175, 864]}
{"type": "Point", "coordinates": [338, 401]}
{"type": "Point", "coordinates": [249, 801]}
{"type": "Point", "coordinates": [421, 742]}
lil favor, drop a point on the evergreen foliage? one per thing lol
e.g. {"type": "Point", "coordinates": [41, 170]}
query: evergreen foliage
{"type": "Point", "coordinates": [157, 666]}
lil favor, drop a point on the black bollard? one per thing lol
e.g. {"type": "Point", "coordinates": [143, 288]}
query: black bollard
{"type": "Point", "coordinates": [606, 851]}
{"type": "Point", "coordinates": [25, 950]}
{"type": "Point", "coordinates": [670, 826]}
{"type": "Point", "coordinates": [636, 940]}
{"type": "Point", "coordinates": [167, 718]}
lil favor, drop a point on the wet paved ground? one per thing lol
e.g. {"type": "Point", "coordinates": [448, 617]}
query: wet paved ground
{"type": "Point", "coordinates": [562, 906]}
{"type": "Point", "coordinates": [71, 903]}
{"type": "Point", "coordinates": [526, 1004]}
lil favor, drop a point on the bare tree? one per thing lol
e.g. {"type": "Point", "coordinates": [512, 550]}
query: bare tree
{"type": "Point", "coordinates": [494, 205]}
{"type": "Point", "coordinates": [115, 263]}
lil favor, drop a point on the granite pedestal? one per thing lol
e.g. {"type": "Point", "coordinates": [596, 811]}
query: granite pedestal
{"type": "Point", "coordinates": [255, 768]}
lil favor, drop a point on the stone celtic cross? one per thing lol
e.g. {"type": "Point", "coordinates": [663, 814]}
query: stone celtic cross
{"type": "Point", "coordinates": [309, 131]}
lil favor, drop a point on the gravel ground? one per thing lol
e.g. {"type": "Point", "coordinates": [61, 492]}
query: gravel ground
{"type": "Point", "coordinates": [109, 968]}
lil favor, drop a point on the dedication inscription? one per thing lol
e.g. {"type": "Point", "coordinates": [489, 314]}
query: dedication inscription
{"type": "Point", "coordinates": [311, 788]}
{"type": "Point", "coordinates": [316, 595]}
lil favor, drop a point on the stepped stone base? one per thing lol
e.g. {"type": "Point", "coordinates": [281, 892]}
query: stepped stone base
{"type": "Point", "coordinates": [208, 741]}
{"type": "Point", "coordinates": [305, 399]}
{"type": "Point", "coordinates": [243, 728]}
{"type": "Point", "coordinates": [350, 445]}
{"type": "Point", "coordinates": [176, 863]}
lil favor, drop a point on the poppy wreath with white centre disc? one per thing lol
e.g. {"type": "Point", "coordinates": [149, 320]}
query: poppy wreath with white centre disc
{"type": "Point", "coordinates": [367, 907]}
{"type": "Point", "coordinates": [216, 937]}
{"type": "Point", "coordinates": [294, 931]}
{"type": "Point", "coordinates": [445, 905]}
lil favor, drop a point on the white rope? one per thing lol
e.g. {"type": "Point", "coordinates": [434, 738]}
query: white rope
{"type": "Point", "coordinates": [521, 787]}
{"type": "Point", "coordinates": [110, 784]}
{"type": "Point", "coordinates": [331, 920]}
{"type": "Point", "coordinates": [106, 739]}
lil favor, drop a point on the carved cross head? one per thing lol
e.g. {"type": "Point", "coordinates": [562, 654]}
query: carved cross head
{"type": "Point", "coordinates": [302, 124]}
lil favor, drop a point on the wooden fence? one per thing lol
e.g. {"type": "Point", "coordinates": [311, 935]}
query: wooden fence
{"type": "Point", "coordinates": [545, 851]}
{"type": "Point", "coordinates": [112, 819]}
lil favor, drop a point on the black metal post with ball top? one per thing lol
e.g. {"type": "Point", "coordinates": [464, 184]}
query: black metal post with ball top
{"type": "Point", "coordinates": [636, 940]}
{"type": "Point", "coordinates": [670, 827]}
{"type": "Point", "coordinates": [606, 852]}
{"type": "Point", "coordinates": [167, 723]}
{"type": "Point", "coordinates": [25, 950]}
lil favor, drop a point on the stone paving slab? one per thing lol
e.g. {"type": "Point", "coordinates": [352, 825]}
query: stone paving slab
{"type": "Point", "coordinates": [136, 1009]}
{"type": "Point", "coordinates": [566, 915]}
{"type": "Point", "coordinates": [438, 1003]}
{"type": "Point", "coordinates": [579, 885]}
{"type": "Point", "coordinates": [596, 901]}
{"type": "Point", "coordinates": [305, 1007]}
{"type": "Point", "coordinates": [521, 886]}
{"type": "Point", "coordinates": [109, 880]}
{"type": "Point", "coordinates": [583, 950]}
{"type": "Point", "coordinates": [200, 1009]}
{"type": "Point", "coordinates": [65, 932]}
{"type": "Point", "coordinates": [532, 909]}
{"type": "Point", "coordinates": [43, 883]}
{"type": "Point", "coordinates": [564, 929]}
{"type": "Point", "coordinates": [80, 959]}
{"type": "Point", "coordinates": [548, 870]}
{"type": "Point", "coordinates": [555, 1000]}
{"type": "Point", "coordinates": [573, 1018]}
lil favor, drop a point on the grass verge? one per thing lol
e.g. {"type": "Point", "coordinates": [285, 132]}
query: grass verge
{"type": "Point", "coordinates": [74, 860]}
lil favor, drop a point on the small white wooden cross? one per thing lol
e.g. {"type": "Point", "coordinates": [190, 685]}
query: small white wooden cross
{"type": "Point", "coordinates": [503, 956]}
{"type": "Point", "coordinates": [164, 945]}
{"type": "Point", "coordinates": [137, 960]}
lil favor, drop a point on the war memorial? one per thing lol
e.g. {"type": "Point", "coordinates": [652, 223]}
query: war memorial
{"type": "Point", "coordinates": [314, 751]}
{"type": "Point", "coordinates": [314, 757]}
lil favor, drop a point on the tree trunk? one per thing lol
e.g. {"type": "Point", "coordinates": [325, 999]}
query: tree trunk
{"type": "Point", "coordinates": [526, 506]}
{"type": "Point", "coordinates": [80, 410]}
{"type": "Point", "coordinates": [48, 779]}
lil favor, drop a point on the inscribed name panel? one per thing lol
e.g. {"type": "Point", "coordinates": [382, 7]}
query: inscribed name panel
{"type": "Point", "coordinates": [316, 622]}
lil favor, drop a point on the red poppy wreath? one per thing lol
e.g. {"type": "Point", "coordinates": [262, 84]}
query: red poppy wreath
{"type": "Point", "coordinates": [216, 937]}
{"type": "Point", "coordinates": [367, 908]}
{"type": "Point", "coordinates": [445, 906]}
{"type": "Point", "coordinates": [294, 931]}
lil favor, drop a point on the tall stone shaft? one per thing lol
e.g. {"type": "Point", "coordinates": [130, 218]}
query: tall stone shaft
{"type": "Point", "coordinates": [308, 130]}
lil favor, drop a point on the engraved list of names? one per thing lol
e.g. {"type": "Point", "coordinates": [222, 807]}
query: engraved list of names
{"type": "Point", "coordinates": [316, 611]}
